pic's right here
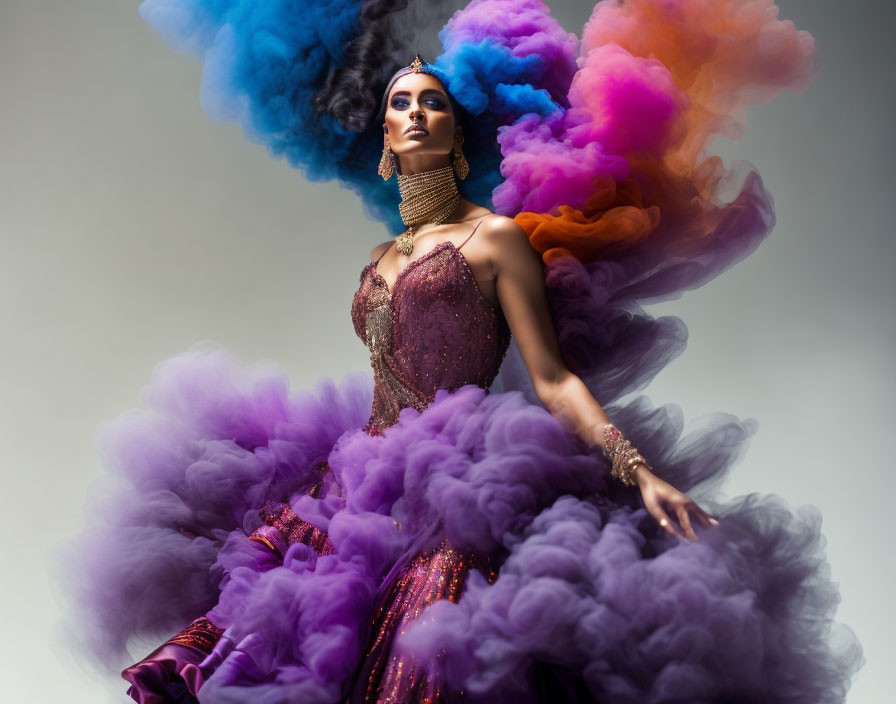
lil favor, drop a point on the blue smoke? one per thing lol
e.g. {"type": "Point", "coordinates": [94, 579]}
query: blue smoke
{"type": "Point", "coordinates": [263, 62]}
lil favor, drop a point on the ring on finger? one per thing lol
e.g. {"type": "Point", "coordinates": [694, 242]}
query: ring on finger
{"type": "Point", "coordinates": [664, 522]}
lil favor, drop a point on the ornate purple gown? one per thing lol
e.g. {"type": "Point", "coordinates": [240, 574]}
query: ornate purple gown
{"type": "Point", "coordinates": [435, 330]}
{"type": "Point", "coordinates": [438, 539]}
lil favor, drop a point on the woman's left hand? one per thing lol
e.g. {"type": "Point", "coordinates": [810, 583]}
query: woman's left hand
{"type": "Point", "coordinates": [661, 499]}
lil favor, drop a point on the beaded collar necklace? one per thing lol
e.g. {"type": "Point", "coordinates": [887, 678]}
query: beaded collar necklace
{"type": "Point", "coordinates": [428, 196]}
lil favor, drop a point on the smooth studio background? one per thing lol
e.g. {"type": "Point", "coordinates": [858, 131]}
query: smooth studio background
{"type": "Point", "coordinates": [132, 227]}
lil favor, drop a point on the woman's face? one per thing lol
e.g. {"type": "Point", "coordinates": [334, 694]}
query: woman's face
{"type": "Point", "coordinates": [419, 119]}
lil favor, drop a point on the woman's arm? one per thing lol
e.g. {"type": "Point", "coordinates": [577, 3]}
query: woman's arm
{"type": "Point", "coordinates": [519, 278]}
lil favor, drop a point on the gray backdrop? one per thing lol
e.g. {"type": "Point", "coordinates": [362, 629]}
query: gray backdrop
{"type": "Point", "coordinates": [132, 227]}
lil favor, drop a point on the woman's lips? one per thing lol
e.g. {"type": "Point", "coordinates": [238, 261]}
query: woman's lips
{"type": "Point", "coordinates": [416, 129]}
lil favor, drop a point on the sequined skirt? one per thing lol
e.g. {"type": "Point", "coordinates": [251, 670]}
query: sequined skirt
{"type": "Point", "coordinates": [396, 678]}
{"type": "Point", "coordinates": [175, 671]}
{"type": "Point", "coordinates": [594, 603]}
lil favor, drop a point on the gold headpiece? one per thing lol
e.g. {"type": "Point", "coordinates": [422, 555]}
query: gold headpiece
{"type": "Point", "coordinates": [416, 65]}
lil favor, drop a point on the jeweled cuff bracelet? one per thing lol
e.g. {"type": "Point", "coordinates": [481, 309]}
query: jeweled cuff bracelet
{"type": "Point", "coordinates": [623, 457]}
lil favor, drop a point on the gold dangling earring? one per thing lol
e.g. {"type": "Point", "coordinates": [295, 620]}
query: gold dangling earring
{"type": "Point", "coordinates": [461, 167]}
{"type": "Point", "coordinates": [387, 166]}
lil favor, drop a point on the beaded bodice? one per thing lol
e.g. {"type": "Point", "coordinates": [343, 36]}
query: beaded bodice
{"type": "Point", "coordinates": [434, 330]}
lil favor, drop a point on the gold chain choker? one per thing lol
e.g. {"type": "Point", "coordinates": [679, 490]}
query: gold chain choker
{"type": "Point", "coordinates": [428, 196]}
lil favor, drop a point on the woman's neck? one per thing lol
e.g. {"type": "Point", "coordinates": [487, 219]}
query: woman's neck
{"type": "Point", "coordinates": [418, 163]}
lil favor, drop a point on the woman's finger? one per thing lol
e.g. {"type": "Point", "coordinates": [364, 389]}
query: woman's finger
{"type": "Point", "coordinates": [684, 521]}
{"type": "Point", "coordinates": [704, 517]}
{"type": "Point", "coordinates": [656, 510]}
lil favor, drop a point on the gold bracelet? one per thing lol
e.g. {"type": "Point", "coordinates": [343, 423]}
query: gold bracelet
{"type": "Point", "coordinates": [624, 458]}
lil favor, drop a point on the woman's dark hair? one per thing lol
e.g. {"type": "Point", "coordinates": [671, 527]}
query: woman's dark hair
{"type": "Point", "coordinates": [351, 93]}
{"type": "Point", "coordinates": [356, 94]}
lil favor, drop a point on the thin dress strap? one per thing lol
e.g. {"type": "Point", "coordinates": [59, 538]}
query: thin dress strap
{"type": "Point", "coordinates": [474, 231]}
{"type": "Point", "coordinates": [377, 260]}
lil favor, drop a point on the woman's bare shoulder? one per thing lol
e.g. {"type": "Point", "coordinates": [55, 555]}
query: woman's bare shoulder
{"type": "Point", "coordinates": [378, 251]}
{"type": "Point", "coordinates": [502, 230]}
{"type": "Point", "coordinates": [497, 222]}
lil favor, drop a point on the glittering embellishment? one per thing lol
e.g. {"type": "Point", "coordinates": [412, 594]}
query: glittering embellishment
{"type": "Point", "coordinates": [200, 635]}
{"type": "Point", "coordinates": [437, 574]}
{"type": "Point", "coordinates": [282, 527]}
{"type": "Point", "coordinates": [293, 529]}
{"type": "Point", "coordinates": [434, 329]}
{"type": "Point", "coordinates": [267, 541]}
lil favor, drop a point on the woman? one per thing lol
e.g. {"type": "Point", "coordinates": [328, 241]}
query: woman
{"type": "Point", "coordinates": [463, 545]}
{"type": "Point", "coordinates": [422, 133]}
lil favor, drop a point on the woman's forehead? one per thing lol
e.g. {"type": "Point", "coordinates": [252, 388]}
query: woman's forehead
{"type": "Point", "coordinates": [416, 83]}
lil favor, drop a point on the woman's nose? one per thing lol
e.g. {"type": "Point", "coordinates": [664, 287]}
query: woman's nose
{"type": "Point", "coordinates": [416, 114]}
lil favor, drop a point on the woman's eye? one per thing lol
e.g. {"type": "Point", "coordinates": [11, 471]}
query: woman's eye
{"type": "Point", "coordinates": [402, 103]}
